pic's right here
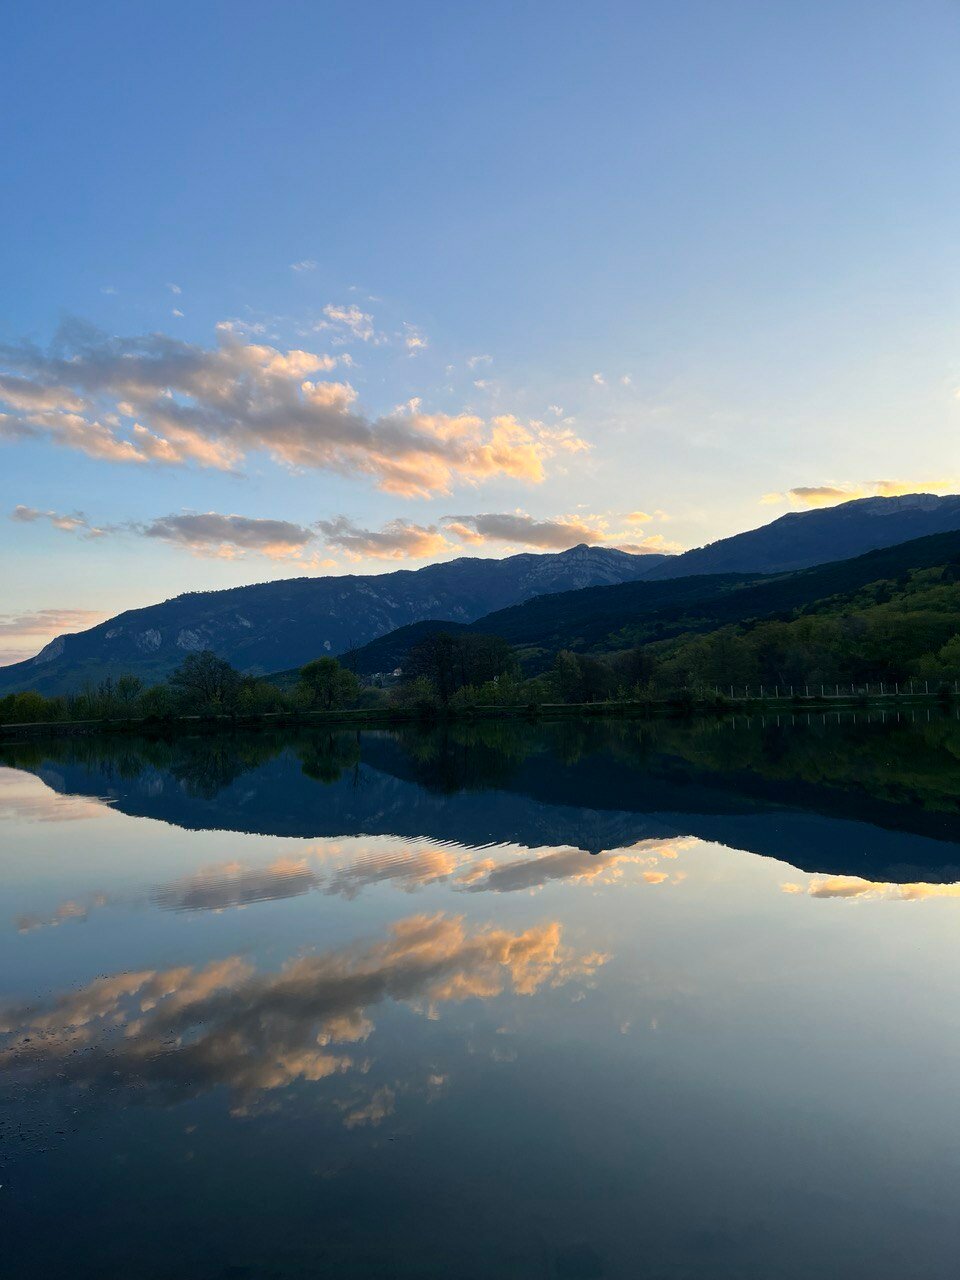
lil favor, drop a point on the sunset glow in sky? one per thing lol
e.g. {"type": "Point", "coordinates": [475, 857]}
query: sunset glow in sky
{"type": "Point", "coordinates": [329, 288]}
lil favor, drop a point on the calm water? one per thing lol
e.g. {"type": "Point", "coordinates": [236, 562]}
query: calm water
{"type": "Point", "coordinates": [603, 1001]}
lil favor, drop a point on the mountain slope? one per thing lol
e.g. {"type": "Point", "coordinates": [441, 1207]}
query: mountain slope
{"type": "Point", "coordinates": [634, 613]}
{"type": "Point", "coordinates": [804, 538]}
{"type": "Point", "coordinates": [273, 625]}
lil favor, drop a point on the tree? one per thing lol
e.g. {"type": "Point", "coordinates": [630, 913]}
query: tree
{"type": "Point", "coordinates": [206, 682]}
{"type": "Point", "coordinates": [452, 662]}
{"type": "Point", "coordinates": [565, 677]}
{"type": "Point", "coordinates": [325, 683]}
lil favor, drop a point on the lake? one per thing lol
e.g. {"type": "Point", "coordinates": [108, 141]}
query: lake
{"type": "Point", "coordinates": [615, 999]}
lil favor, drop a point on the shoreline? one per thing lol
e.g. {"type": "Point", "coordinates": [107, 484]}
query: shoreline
{"type": "Point", "coordinates": [678, 707]}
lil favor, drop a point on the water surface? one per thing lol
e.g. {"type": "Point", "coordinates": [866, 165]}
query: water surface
{"type": "Point", "coordinates": [610, 1000]}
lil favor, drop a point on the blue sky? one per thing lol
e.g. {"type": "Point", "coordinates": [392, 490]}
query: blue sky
{"type": "Point", "coordinates": [553, 271]}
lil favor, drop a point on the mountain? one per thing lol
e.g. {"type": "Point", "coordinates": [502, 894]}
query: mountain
{"type": "Point", "coordinates": [805, 538]}
{"type": "Point", "coordinates": [566, 620]}
{"type": "Point", "coordinates": [634, 613]}
{"type": "Point", "coordinates": [272, 625]}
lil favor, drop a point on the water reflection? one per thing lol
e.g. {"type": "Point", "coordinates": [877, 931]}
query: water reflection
{"type": "Point", "coordinates": [500, 1001]}
{"type": "Point", "coordinates": [162, 1036]}
{"type": "Point", "coordinates": [804, 794]}
{"type": "Point", "coordinates": [856, 887]}
{"type": "Point", "coordinates": [409, 866]}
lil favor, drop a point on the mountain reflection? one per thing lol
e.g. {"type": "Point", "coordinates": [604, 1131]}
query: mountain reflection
{"type": "Point", "coordinates": [873, 796]}
{"type": "Point", "coordinates": [167, 1035]}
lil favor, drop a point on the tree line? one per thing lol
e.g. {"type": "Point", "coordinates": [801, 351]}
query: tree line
{"type": "Point", "coordinates": [891, 631]}
{"type": "Point", "coordinates": [203, 685]}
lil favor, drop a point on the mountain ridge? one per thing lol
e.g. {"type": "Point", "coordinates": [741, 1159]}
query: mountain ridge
{"type": "Point", "coordinates": [275, 626]}
{"type": "Point", "coordinates": [801, 539]}
{"type": "Point", "coordinates": [597, 619]}
{"type": "Point", "coordinates": [266, 626]}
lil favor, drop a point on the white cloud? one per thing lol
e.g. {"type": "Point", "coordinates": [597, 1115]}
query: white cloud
{"type": "Point", "coordinates": [305, 264]}
{"type": "Point", "coordinates": [174, 288]}
{"type": "Point", "coordinates": [359, 324]}
{"type": "Point", "coordinates": [599, 379]}
{"type": "Point", "coordinates": [413, 339]}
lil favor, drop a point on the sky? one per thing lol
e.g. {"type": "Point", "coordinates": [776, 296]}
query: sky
{"type": "Point", "coordinates": [344, 288]}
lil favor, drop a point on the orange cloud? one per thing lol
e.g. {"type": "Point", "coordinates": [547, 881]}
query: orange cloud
{"type": "Point", "coordinates": [828, 495]}
{"type": "Point", "coordinates": [396, 540]}
{"type": "Point", "coordinates": [156, 399]}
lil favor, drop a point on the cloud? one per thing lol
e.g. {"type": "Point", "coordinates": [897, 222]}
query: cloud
{"type": "Point", "coordinates": [413, 339]}
{"type": "Point", "coordinates": [46, 621]}
{"type": "Point", "coordinates": [174, 288]}
{"type": "Point", "coordinates": [655, 543]}
{"type": "Point", "coordinates": [305, 264]}
{"type": "Point", "coordinates": [356, 322]}
{"type": "Point", "coordinates": [474, 362]}
{"type": "Point", "coordinates": [396, 540]}
{"type": "Point", "coordinates": [828, 495]}
{"type": "Point", "coordinates": [208, 533]}
{"type": "Point", "coordinates": [599, 379]}
{"type": "Point", "coordinates": [518, 527]}
{"type": "Point", "coordinates": [227, 536]}
{"type": "Point", "coordinates": [158, 400]}
{"type": "Point", "coordinates": [28, 630]}
{"type": "Point", "coordinates": [71, 522]}
{"type": "Point", "coordinates": [166, 1035]}
{"type": "Point", "coordinates": [553, 534]}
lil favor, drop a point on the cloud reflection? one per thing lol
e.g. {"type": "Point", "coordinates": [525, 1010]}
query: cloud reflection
{"type": "Point", "coordinates": [856, 887]}
{"type": "Point", "coordinates": [167, 1035]}
{"type": "Point", "coordinates": [570, 864]}
{"type": "Point", "coordinates": [409, 866]}
{"type": "Point", "coordinates": [25, 798]}
{"type": "Point", "coordinates": [231, 884]}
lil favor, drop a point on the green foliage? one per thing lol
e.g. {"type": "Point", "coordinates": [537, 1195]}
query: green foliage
{"type": "Point", "coordinates": [206, 684]}
{"type": "Point", "coordinates": [324, 683]}
{"type": "Point", "coordinates": [452, 662]}
{"type": "Point", "coordinates": [202, 685]}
